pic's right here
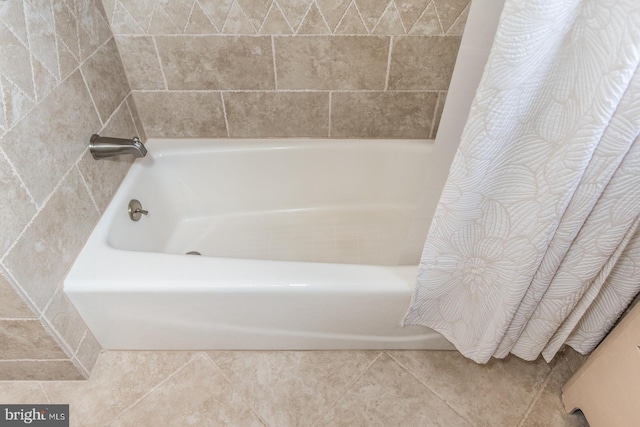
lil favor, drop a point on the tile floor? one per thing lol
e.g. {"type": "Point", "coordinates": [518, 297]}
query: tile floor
{"type": "Point", "coordinates": [314, 388]}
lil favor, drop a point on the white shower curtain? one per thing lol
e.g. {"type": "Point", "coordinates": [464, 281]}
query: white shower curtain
{"type": "Point", "coordinates": [535, 241]}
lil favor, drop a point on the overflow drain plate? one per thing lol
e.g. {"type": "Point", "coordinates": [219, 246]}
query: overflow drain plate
{"type": "Point", "coordinates": [193, 253]}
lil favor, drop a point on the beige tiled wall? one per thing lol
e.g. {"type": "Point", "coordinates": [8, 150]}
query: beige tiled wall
{"type": "Point", "coordinates": [270, 68]}
{"type": "Point", "coordinates": [61, 79]}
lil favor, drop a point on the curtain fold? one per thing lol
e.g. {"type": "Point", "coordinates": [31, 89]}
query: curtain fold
{"type": "Point", "coordinates": [535, 241]}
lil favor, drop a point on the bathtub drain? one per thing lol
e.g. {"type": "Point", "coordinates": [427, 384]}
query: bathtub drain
{"type": "Point", "coordinates": [194, 253]}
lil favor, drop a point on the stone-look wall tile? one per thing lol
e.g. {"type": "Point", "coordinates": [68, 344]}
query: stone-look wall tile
{"type": "Point", "coordinates": [457, 28]}
{"type": "Point", "coordinates": [275, 23]}
{"type": "Point", "coordinates": [65, 319]}
{"type": "Point", "coordinates": [88, 351]}
{"type": "Point", "coordinates": [313, 22]}
{"type": "Point", "coordinates": [106, 79]}
{"type": "Point", "coordinates": [57, 131]}
{"type": "Point", "coordinates": [136, 118]}
{"type": "Point", "coordinates": [42, 40]}
{"type": "Point", "coordinates": [181, 114]}
{"type": "Point", "coordinates": [333, 10]}
{"type": "Point", "coordinates": [331, 63]}
{"type": "Point", "coordinates": [390, 22]}
{"type": "Point", "coordinates": [199, 23]}
{"type": "Point", "coordinates": [216, 10]}
{"type": "Point", "coordinates": [351, 22]}
{"type": "Point", "coordinates": [27, 339]}
{"type": "Point", "coordinates": [53, 240]}
{"type": "Point", "coordinates": [104, 177]}
{"type": "Point", "coordinates": [15, 76]}
{"type": "Point", "coordinates": [428, 24]}
{"type": "Point", "coordinates": [38, 370]}
{"type": "Point", "coordinates": [382, 114]}
{"type": "Point", "coordinates": [12, 306]}
{"type": "Point", "coordinates": [237, 22]}
{"type": "Point", "coordinates": [66, 61]}
{"type": "Point", "coordinates": [449, 11]}
{"type": "Point", "coordinates": [422, 62]}
{"type": "Point", "coordinates": [66, 27]}
{"type": "Point", "coordinates": [255, 10]}
{"type": "Point", "coordinates": [277, 114]}
{"type": "Point", "coordinates": [12, 14]}
{"type": "Point", "coordinates": [212, 62]}
{"type": "Point", "coordinates": [93, 28]}
{"type": "Point", "coordinates": [141, 62]}
{"type": "Point", "coordinates": [411, 10]}
{"type": "Point", "coordinates": [15, 215]}
{"type": "Point", "coordinates": [371, 11]}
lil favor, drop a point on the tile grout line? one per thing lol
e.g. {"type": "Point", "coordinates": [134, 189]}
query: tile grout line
{"type": "Point", "coordinates": [81, 341]}
{"type": "Point", "coordinates": [33, 72]}
{"type": "Point", "coordinates": [437, 16]}
{"type": "Point", "coordinates": [224, 113]}
{"type": "Point", "coordinates": [292, 35]}
{"type": "Point", "coordinates": [258, 31]}
{"type": "Point", "coordinates": [84, 80]}
{"type": "Point", "coordinates": [38, 211]}
{"type": "Point", "coordinates": [342, 18]}
{"type": "Point", "coordinates": [275, 68]}
{"type": "Point", "coordinates": [34, 360]}
{"type": "Point", "coordinates": [62, 81]}
{"type": "Point", "coordinates": [133, 120]}
{"type": "Point", "coordinates": [86, 187]}
{"type": "Point", "coordinates": [330, 112]}
{"type": "Point", "coordinates": [433, 118]}
{"type": "Point", "coordinates": [57, 336]}
{"type": "Point", "coordinates": [44, 391]}
{"type": "Point", "coordinates": [386, 80]}
{"type": "Point", "coordinates": [113, 113]}
{"type": "Point", "coordinates": [465, 9]}
{"type": "Point", "coordinates": [213, 24]}
{"type": "Point", "coordinates": [285, 19]}
{"type": "Point", "coordinates": [164, 77]}
{"type": "Point", "coordinates": [154, 388]}
{"type": "Point", "coordinates": [242, 395]}
{"type": "Point", "coordinates": [419, 17]}
{"type": "Point", "coordinates": [435, 91]}
{"type": "Point", "coordinates": [346, 389]}
{"type": "Point", "coordinates": [431, 390]}
{"type": "Point", "coordinates": [323, 19]}
{"type": "Point", "coordinates": [19, 289]}
{"type": "Point", "coordinates": [400, 17]}
{"type": "Point", "coordinates": [303, 19]}
{"type": "Point", "coordinates": [21, 182]}
{"type": "Point", "coordinates": [536, 397]}
{"type": "Point", "coordinates": [151, 15]}
{"type": "Point", "coordinates": [186, 25]}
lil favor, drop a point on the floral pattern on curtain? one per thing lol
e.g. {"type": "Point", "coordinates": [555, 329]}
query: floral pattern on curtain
{"type": "Point", "coordinates": [535, 241]}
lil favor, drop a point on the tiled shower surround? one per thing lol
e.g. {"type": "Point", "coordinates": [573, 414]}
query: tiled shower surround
{"type": "Point", "coordinates": [198, 68]}
{"type": "Point", "coordinates": [61, 79]}
{"type": "Point", "coordinates": [289, 68]}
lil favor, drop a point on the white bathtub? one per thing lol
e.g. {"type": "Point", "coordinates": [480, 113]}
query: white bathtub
{"type": "Point", "coordinates": [299, 241]}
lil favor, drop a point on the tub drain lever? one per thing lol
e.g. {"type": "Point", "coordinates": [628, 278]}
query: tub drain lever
{"type": "Point", "coordinates": [135, 210]}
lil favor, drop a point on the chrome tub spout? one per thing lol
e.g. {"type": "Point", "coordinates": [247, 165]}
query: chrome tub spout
{"type": "Point", "coordinates": [103, 146]}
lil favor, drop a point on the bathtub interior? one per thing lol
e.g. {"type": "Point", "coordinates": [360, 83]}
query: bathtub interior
{"type": "Point", "coordinates": [329, 201]}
